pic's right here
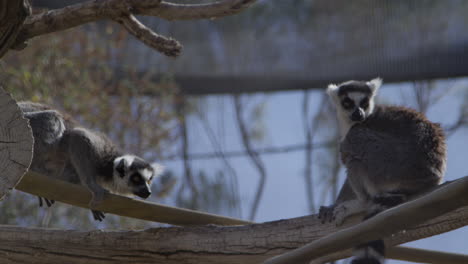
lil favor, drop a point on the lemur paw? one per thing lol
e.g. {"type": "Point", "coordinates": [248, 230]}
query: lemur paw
{"type": "Point", "coordinates": [333, 213]}
{"type": "Point", "coordinates": [48, 202]}
{"type": "Point", "coordinates": [98, 215]}
{"type": "Point", "coordinates": [326, 213]}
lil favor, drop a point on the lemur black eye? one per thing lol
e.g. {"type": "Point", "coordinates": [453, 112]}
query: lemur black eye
{"type": "Point", "coordinates": [364, 103]}
{"type": "Point", "coordinates": [347, 103]}
{"type": "Point", "coordinates": [136, 178]}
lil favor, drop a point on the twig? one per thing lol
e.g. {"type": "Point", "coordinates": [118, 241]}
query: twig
{"type": "Point", "coordinates": [254, 157]}
{"type": "Point", "coordinates": [167, 46]}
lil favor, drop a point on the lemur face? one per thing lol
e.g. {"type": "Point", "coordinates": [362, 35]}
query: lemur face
{"type": "Point", "coordinates": [133, 175]}
{"type": "Point", "coordinates": [354, 100]}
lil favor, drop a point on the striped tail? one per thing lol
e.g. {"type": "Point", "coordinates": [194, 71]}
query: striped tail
{"type": "Point", "coordinates": [373, 252]}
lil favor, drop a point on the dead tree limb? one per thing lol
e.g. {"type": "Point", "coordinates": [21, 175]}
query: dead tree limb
{"type": "Point", "coordinates": [123, 12]}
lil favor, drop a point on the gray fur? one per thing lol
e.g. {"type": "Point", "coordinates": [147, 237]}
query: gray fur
{"type": "Point", "coordinates": [66, 151]}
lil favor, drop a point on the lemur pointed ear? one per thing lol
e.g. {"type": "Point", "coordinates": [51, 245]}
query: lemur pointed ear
{"type": "Point", "coordinates": [375, 84]}
{"type": "Point", "coordinates": [332, 90]}
{"type": "Point", "coordinates": [120, 168]}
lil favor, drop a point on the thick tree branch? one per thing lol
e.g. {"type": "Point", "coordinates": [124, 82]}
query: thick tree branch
{"type": "Point", "coordinates": [441, 201]}
{"type": "Point", "coordinates": [119, 10]}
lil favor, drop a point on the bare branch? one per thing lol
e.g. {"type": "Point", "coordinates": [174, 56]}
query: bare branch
{"type": "Point", "coordinates": [167, 46]}
{"type": "Point", "coordinates": [443, 200]}
{"type": "Point", "coordinates": [82, 13]}
{"type": "Point", "coordinates": [77, 195]}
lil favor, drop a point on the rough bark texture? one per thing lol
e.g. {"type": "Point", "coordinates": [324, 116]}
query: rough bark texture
{"type": "Point", "coordinates": [16, 143]}
{"type": "Point", "coordinates": [12, 15]}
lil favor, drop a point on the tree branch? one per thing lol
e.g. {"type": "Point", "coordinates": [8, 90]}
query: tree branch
{"type": "Point", "coordinates": [119, 10]}
{"type": "Point", "coordinates": [443, 200]}
{"type": "Point", "coordinates": [168, 46]}
{"type": "Point", "coordinates": [77, 195]}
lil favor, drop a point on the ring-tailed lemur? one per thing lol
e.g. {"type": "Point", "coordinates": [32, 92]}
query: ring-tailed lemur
{"type": "Point", "coordinates": [66, 151]}
{"type": "Point", "coordinates": [390, 153]}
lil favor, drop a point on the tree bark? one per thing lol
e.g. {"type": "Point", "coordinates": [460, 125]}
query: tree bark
{"type": "Point", "coordinates": [12, 16]}
{"type": "Point", "coordinates": [15, 30]}
{"type": "Point", "coordinates": [16, 143]}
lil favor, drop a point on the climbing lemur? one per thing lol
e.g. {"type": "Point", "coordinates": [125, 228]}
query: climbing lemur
{"type": "Point", "coordinates": [66, 151]}
{"type": "Point", "coordinates": [390, 153]}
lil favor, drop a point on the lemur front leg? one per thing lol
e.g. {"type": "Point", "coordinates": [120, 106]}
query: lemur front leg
{"type": "Point", "coordinates": [346, 205]}
{"type": "Point", "coordinates": [81, 157]}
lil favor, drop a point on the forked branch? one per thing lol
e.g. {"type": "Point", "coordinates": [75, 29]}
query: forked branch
{"type": "Point", "coordinates": [123, 11]}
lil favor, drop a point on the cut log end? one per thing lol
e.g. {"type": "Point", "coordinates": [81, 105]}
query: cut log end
{"type": "Point", "coordinates": [16, 143]}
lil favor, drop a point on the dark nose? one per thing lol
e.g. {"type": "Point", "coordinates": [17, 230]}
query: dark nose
{"type": "Point", "coordinates": [144, 193]}
{"type": "Point", "coordinates": [357, 115]}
